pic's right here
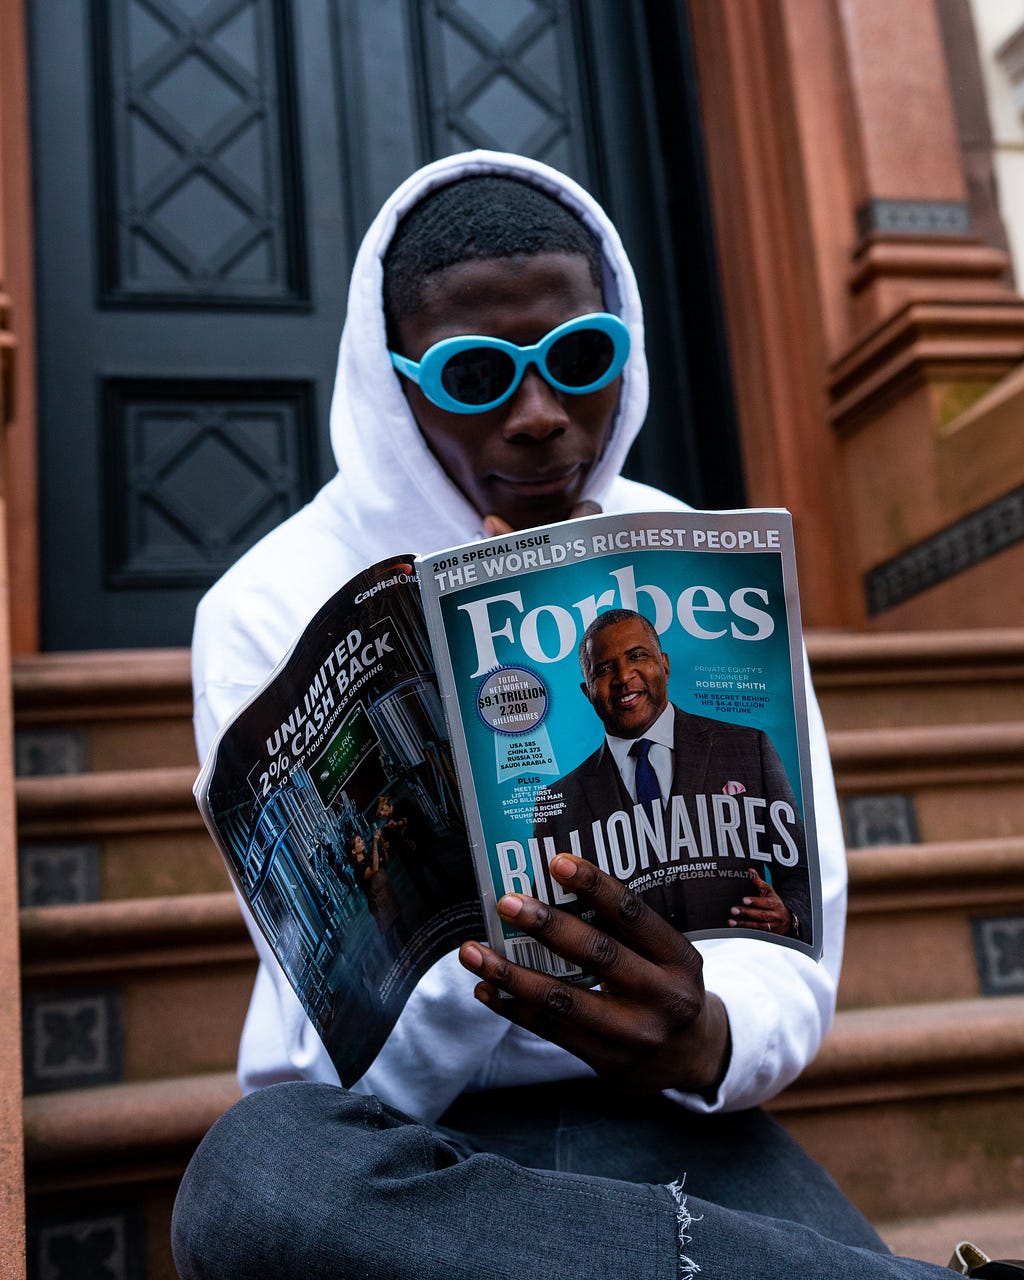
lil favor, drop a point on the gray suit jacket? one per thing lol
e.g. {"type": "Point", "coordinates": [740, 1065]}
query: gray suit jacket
{"type": "Point", "coordinates": [710, 758]}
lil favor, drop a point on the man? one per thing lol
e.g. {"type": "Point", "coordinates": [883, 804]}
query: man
{"type": "Point", "coordinates": [540, 1167]}
{"type": "Point", "coordinates": [723, 780]}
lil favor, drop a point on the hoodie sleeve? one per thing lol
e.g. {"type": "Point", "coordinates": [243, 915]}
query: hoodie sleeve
{"type": "Point", "coordinates": [780, 1003]}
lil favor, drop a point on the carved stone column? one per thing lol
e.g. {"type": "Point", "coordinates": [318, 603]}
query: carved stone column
{"type": "Point", "coordinates": [935, 479]}
{"type": "Point", "coordinates": [849, 260]}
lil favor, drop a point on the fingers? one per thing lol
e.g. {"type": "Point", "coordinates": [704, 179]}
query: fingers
{"type": "Point", "coordinates": [767, 912]}
{"type": "Point", "coordinates": [764, 926]}
{"type": "Point", "coordinates": [540, 1003]}
{"type": "Point", "coordinates": [612, 1032]}
{"type": "Point", "coordinates": [650, 1024]}
{"type": "Point", "coordinates": [635, 955]}
{"type": "Point", "coordinates": [762, 886]}
{"type": "Point", "coordinates": [638, 958]}
{"type": "Point", "coordinates": [594, 950]}
{"type": "Point", "coordinates": [497, 526]}
{"type": "Point", "coordinates": [757, 908]}
{"type": "Point", "coordinates": [625, 916]}
{"type": "Point", "coordinates": [671, 1035]}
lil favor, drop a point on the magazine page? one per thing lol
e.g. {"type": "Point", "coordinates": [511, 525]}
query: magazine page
{"type": "Point", "coordinates": [333, 799]}
{"type": "Point", "coordinates": [703, 656]}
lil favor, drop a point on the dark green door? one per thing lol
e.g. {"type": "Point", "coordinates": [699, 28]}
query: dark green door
{"type": "Point", "coordinates": [204, 171]}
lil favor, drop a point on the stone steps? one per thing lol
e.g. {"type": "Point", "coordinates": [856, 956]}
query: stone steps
{"type": "Point", "coordinates": [863, 682]}
{"type": "Point", "coordinates": [103, 1165]}
{"type": "Point", "coordinates": [918, 678]}
{"type": "Point", "coordinates": [130, 832]}
{"type": "Point", "coordinates": [932, 921]}
{"type": "Point", "coordinates": [131, 990]}
{"type": "Point", "coordinates": [962, 781]}
{"type": "Point", "coordinates": [936, 1088]}
{"type": "Point", "coordinates": [119, 709]}
{"type": "Point", "coordinates": [138, 1131]}
{"type": "Point", "coordinates": [997, 1232]}
{"type": "Point", "coordinates": [915, 1108]}
{"type": "Point", "coordinates": [914, 912]}
{"type": "Point", "coordinates": [914, 1102]}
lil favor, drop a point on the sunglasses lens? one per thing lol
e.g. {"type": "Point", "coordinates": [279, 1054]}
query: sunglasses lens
{"type": "Point", "coordinates": [478, 375]}
{"type": "Point", "coordinates": [581, 358]}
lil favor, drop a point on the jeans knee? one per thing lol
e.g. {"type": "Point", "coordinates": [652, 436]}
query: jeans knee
{"type": "Point", "coordinates": [222, 1223]}
{"type": "Point", "coordinates": [199, 1221]}
{"type": "Point", "coordinates": [244, 1205]}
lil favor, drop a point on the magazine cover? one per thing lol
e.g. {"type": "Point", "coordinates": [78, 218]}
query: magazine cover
{"type": "Point", "coordinates": [555, 647]}
{"type": "Point", "coordinates": [332, 796]}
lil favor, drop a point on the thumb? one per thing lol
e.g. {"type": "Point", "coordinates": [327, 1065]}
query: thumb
{"type": "Point", "coordinates": [494, 526]}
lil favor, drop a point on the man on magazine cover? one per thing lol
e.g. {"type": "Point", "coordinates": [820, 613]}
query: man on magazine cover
{"type": "Point", "coordinates": [722, 785]}
{"type": "Point", "coordinates": [511, 1125]}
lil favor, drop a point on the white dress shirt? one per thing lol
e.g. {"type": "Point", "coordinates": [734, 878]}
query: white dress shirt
{"type": "Point", "coordinates": [662, 735]}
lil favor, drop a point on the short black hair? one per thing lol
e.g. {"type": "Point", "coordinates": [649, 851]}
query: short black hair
{"type": "Point", "coordinates": [477, 217]}
{"type": "Point", "coordinates": [608, 619]}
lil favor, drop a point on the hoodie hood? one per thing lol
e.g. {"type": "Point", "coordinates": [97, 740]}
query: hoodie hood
{"type": "Point", "coordinates": [386, 472]}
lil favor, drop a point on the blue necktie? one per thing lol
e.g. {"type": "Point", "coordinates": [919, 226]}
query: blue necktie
{"type": "Point", "coordinates": [647, 789]}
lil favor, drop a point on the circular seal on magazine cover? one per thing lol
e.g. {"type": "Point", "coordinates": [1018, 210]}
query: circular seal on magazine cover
{"type": "Point", "coordinates": [512, 700]}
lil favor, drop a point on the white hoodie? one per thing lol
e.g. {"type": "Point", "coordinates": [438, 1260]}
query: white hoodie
{"type": "Point", "coordinates": [391, 494]}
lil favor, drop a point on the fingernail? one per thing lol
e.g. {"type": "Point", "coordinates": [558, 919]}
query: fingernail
{"type": "Point", "coordinates": [510, 906]}
{"type": "Point", "coordinates": [472, 955]}
{"type": "Point", "coordinates": [747, 901]}
{"type": "Point", "coordinates": [735, 911]}
{"type": "Point", "coordinates": [732, 923]}
{"type": "Point", "coordinates": [564, 867]}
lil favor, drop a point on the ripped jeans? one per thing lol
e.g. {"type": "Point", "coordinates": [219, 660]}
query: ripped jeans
{"type": "Point", "coordinates": [555, 1182]}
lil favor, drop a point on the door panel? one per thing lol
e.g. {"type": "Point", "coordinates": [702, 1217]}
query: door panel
{"type": "Point", "coordinates": [200, 187]}
{"type": "Point", "coordinates": [204, 171]}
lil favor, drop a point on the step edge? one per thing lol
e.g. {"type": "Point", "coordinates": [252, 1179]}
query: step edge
{"type": "Point", "coordinates": [849, 747]}
{"type": "Point", "coordinates": [107, 928]}
{"type": "Point", "coordinates": [110, 1121]}
{"type": "Point", "coordinates": [979, 1035]}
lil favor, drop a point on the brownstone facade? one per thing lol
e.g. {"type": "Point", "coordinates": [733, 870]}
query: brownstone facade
{"type": "Point", "coordinates": [876, 342]}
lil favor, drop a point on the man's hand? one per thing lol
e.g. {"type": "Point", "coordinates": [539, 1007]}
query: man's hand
{"type": "Point", "coordinates": [494, 526]}
{"type": "Point", "coordinates": [650, 1025]}
{"type": "Point", "coordinates": [763, 909]}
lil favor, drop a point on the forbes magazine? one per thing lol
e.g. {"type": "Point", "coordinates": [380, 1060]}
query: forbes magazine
{"type": "Point", "coordinates": [562, 648]}
{"type": "Point", "coordinates": [628, 689]}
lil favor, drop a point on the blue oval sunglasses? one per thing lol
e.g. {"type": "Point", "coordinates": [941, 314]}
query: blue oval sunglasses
{"type": "Point", "coordinates": [472, 374]}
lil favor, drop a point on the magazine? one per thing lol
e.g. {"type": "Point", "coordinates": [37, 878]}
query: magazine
{"type": "Point", "coordinates": [446, 724]}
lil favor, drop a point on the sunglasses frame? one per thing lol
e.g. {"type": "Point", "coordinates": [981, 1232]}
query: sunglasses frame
{"type": "Point", "coordinates": [427, 372]}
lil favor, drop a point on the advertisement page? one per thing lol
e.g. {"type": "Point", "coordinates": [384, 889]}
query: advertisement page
{"type": "Point", "coordinates": [334, 801]}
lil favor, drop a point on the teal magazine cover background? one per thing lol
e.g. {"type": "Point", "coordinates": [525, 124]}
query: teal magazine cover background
{"type": "Point", "coordinates": [513, 613]}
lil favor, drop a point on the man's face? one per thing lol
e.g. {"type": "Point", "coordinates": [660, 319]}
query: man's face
{"type": "Point", "coordinates": [626, 678]}
{"type": "Point", "coordinates": [528, 460]}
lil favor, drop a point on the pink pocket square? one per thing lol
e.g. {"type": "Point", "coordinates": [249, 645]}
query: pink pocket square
{"type": "Point", "coordinates": [733, 789]}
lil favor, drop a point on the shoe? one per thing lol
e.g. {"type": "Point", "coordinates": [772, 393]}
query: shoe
{"type": "Point", "coordinates": [968, 1260]}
